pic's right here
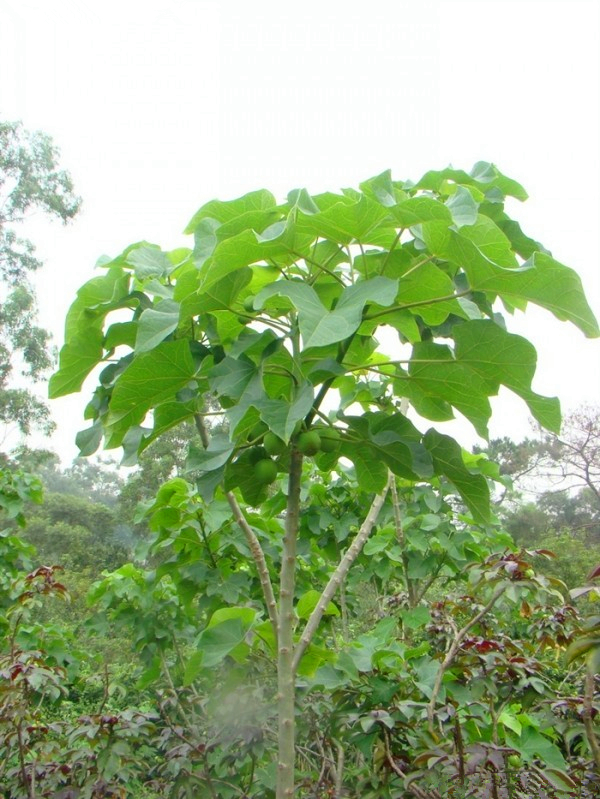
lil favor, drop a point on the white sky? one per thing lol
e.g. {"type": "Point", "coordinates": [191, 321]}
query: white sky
{"type": "Point", "coordinates": [158, 107]}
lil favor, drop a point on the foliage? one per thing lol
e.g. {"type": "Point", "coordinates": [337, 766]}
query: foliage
{"type": "Point", "coordinates": [311, 326]}
{"type": "Point", "coordinates": [30, 180]}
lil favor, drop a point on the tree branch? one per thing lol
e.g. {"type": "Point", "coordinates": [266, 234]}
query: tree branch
{"type": "Point", "coordinates": [339, 574]}
{"type": "Point", "coordinates": [256, 550]}
{"type": "Point", "coordinates": [454, 647]}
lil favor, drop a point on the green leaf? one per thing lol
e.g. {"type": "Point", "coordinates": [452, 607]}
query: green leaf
{"type": "Point", "coordinates": [425, 286]}
{"type": "Point", "coordinates": [462, 207]}
{"type": "Point", "coordinates": [284, 244]}
{"type": "Point", "coordinates": [541, 279]}
{"type": "Point", "coordinates": [89, 440]}
{"type": "Point", "coordinates": [152, 378]}
{"type": "Point", "coordinates": [417, 210]}
{"type": "Point", "coordinates": [434, 372]}
{"type": "Point", "coordinates": [499, 357]}
{"type": "Point", "coordinates": [120, 334]}
{"type": "Point", "coordinates": [532, 744]}
{"type": "Point", "coordinates": [149, 261]}
{"type": "Point", "coordinates": [447, 459]}
{"type": "Point", "coordinates": [207, 460]}
{"type": "Point", "coordinates": [217, 642]}
{"type": "Point", "coordinates": [320, 327]}
{"type": "Point", "coordinates": [416, 617]}
{"type": "Point", "coordinates": [155, 324]}
{"type": "Point", "coordinates": [380, 188]}
{"type": "Point", "coordinates": [344, 223]}
{"type": "Point", "coordinates": [308, 602]}
{"type": "Point", "coordinates": [246, 615]}
{"type": "Point", "coordinates": [225, 211]}
{"type": "Point", "coordinates": [77, 359]}
{"type": "Point", "coordinates": [231, 376]}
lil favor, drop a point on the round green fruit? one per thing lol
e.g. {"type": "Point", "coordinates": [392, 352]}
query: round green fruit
{"type": "Point", "coordinates": [330, 439]}
{"type": "Point", "coordinates": [309, 443]}
{"type": "Point", "coordinates": [256, 454]}
{"type": "Point", "coordinates": [529, 574]}
{"type": "Point", "coordinates": [514, 761]}
{"type": "Point", "coordinates": [265, 471]}
{"type": "Point", "coordinates": [273, 444]}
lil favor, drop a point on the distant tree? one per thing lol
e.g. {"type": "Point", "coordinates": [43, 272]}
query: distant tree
{"type": "Point", "coordinates": [30, 180]}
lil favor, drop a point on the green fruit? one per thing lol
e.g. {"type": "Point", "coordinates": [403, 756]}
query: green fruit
{"type": "Point", "coordinates": [330, 439]}
{"type": "Point", "coordinates": [265, 471]}
{"type": "Point", "coordinates": [309, 443]}
{"type": "Point", "coordinates": [249, 304]}
{"type": "Point", "coordinates": [514, 761]}
{"type": "Point", "coordinates": [256, 454]}
{"type": "Point", "coordinates": [529, 574]}
{"type": "Point", "coordinates": [273, 444]}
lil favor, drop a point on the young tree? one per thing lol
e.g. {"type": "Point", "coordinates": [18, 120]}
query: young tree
{"type": "Point", "coordinates": [30, 180]}
{"type": "Point", "coordinates": [312, 324]}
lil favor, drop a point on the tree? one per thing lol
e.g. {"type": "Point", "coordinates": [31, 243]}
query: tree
{"type": "Point", "coordinates": [30, 180]}
{"type": "Point", "coordinates": [311, 324]}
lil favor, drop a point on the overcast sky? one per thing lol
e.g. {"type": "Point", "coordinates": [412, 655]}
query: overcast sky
{"type": "Point", "coordinates": [158, 107]}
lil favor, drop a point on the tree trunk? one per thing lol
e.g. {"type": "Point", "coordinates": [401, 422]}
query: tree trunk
{"type": "Point", "coordinates": [285, 636]}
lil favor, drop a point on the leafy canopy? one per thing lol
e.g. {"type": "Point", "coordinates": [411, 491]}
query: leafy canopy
{"type": "Point", "coordinates": [369, 297]}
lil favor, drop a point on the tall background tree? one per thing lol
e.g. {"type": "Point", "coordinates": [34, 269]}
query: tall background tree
{"type": "Point", "coordinates": [30, 180]}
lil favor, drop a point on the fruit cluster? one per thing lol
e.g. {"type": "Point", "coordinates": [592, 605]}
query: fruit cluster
{"type": "Point", "coordinates": [268, 453]}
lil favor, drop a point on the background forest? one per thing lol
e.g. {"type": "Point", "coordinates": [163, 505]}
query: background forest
{"type": "Point", "coordinates": [459, 658]}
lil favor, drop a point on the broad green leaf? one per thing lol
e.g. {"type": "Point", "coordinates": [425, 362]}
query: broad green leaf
{"type": "Point", "coordinates": [381, 189]}
{"type": "Point", "coordinates": [483, 175]}
{"type": "Point", "coordinates": [434, 372]}
{"type": "Point", "coordinates": [285, 244]}
{"type": "Point", "coordinates": [120, 334]}
{"type": "Point", "coordinates": [149, 261]}
{"type": "Point", "coordinates": [77, 359]}
{"type": "Point", "coordinates": [170, 414]}
{"type": "Point", "coordinates": [416, 617]}
{"type": "Point", "coordinates": [462, 207]}
{"type": "Point", "coordinates": [225, 211]}
{"type": "Point", "coordinates": [231, 376]}
{"type": "Point", "coordinates": [89, 440]}
{"type": "Point", "coordinates": [308, 602]}
{"type": "Point", "coordinates": [344, 222]}
{"type": "Point", "coordinates": [152, 378]}
{"type": "Point", "coordinates": [155, 324]}
{"type": "Point", "coordinates": [281, 416]}
{"type": "Point", "coordinates": [207, 460]}
{"type": "Point", "coordinates": [246, 615]}
{"type": "Point", "coordinates": [371, 473]}
{"type": "Point", "coordinates": [447, 459]}
{"type": "Point", "coordinates": [510, 721]}
{"type": "Point", "coordinates": [541, 279]}
{"type": "Point", "coordinates": [425, 289]}
{"type": "Point", "coordinates": [498, 358]}
{"type": "Point", "coordinates": [532, 744]}
{"type": "Point", "coordinates": [217, 642]}
{"type": "Point", "coordinates": [417, 210]}
{"type": "Point", "coordinates": [490, 240]}
{"type": "Point", "coordinates": [98, 292]}
{"type": "Point", "coordinates": [320, 327]}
